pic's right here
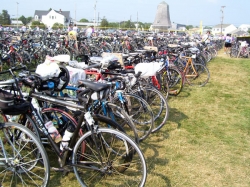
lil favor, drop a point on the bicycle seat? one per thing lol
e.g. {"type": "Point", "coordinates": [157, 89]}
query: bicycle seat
{"type": "Point", "coordinates": [95, 86]}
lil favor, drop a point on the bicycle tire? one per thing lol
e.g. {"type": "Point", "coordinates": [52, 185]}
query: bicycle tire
{"type": "Point", "coordinates": [139, 111]}
{"type": "Point", "coordinates": [159, 105]}
{"type": "Point", "coordinates": [174, 79]}
{"type": "Point", "coordinates": [25, 162]}
{"type": "Point", "coordinates": [26, 57]}
{"type": "Point", "coordinates": [111, 158]}
{"type": "Point", "coordinates": [121, 117]}
{"type": "Point", "coordinates": [200, 78]}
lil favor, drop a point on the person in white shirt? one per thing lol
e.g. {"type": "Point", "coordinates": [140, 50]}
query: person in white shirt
{"type": "Point", "coordinates": [206, 37]}
{"type": "Point", "coordinates": [24, 28]}
{"type": "Point", "coordinates": [89, 31]}
{"type": "Point", "coordinates": [75, 28]}
{"type": "Point", "coordinates": [228, 43]}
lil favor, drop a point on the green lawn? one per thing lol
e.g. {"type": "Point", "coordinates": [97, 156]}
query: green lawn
{"type": "Point", "coordinates": [206, 140]}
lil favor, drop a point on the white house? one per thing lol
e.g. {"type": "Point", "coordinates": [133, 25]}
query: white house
{"type": "Point", "coordinates": [226, 28]}
{"type": "Point", "coordinates": [50, 17]}
{"type": "Point", "coordinates": [244, 27]}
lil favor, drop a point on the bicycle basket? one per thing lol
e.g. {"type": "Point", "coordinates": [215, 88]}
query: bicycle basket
{"type": "Point", "coordinates": [11, 105]}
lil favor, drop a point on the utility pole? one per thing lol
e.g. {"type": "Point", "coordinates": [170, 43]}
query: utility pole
{"type": "Point", "coordinates": [137, 23]}
{"type": "Point", "coordinates": [98, 19]}
{"type": "Point", "coordinates": [222, 17]}
{"type": "Point", "coordinates": [75, 13]}
{"type": "Point", "coordinates": [17, 15]}
{"type": "Point", "coordinates": [130, 22]}
{"type": "Point", "coordinates": [95, 14]}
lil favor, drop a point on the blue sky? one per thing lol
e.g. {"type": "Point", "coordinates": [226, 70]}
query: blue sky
{"type": "Point", "coordinates": [189, 12]}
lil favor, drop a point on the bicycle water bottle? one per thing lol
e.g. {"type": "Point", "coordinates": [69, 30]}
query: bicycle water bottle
{"type": "Point", "coordinates": [53, 131]}
{"type": "Point", "coordinates": [63, 79]}
{"type": "Point", "coordinates": [66, 137]}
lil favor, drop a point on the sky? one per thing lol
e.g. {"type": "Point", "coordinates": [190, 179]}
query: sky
{"type": "Point", "coordinates": [188, 12]}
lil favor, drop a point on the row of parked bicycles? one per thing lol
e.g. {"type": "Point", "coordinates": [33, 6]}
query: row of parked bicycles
{"type": "Point", "coordinates": [239, 49]}
{"type": "Point", "coordinates": [90, 116]}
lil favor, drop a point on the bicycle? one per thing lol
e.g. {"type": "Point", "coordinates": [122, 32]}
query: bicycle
{"type": "Point", "coordinates": [23, 159]}
{"type": "Point", "coordinates": [109, 153]}
{"type": "Point", "coordinates": [194, 74]}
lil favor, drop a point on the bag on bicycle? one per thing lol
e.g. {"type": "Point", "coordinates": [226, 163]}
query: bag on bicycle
{"type": "Point", "coordinates": [11, 105]}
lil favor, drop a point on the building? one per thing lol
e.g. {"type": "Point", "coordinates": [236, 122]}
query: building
{"type": "Point", "coordinates": [238, 33]}
{"type": "Point", "coordinates": [16, 22]}
{"type": "Point", "coordinates": [178, 27]}
{"type": "Point", "coordinates": [162, 17]}
{"type": "Point", "coordinates": [226, 28]}
{"type": "Point", "coordinates": [244, 27]}
{"type": "Point", "coordinates": [50, 17]}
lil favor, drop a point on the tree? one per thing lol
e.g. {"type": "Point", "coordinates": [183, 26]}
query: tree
{"type": "Point", "coordinates": [104, 22]}
{"type": "Point", "coordinates": [83, 20]}
{"type": "Point", "coordinates": [207, 27]}
{"type": "Point", "coordinates": [57, 26]}
{"type": "Point", "coordinates": [23, 19]}
{"type": "Point", "coordinates": [29, 19]}
{"type": "Point", "coordinates": [5, 18]}
{"type": "Point", "coordinates": [189, 27]}
{"type": "Point", "coordinates": [128, 25]}
{"type": "Point", "coordinates": [114, 25]}
{"type": "Point", "coordinates": [37, 23]}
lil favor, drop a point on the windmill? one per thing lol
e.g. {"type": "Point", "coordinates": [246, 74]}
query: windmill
{"type": "Point", "coordinates": [162, 18]}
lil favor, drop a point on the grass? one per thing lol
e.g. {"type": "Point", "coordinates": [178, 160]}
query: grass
{"type": "Point", "coordinates": [206, 140]}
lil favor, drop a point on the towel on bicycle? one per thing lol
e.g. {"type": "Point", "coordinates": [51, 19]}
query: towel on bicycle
{"type": "Point", "coordinates": [148, 69]}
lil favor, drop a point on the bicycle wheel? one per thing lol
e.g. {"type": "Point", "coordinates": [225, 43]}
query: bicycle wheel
{"type": "Point", "coordinates": [26, 57]}
{"type": "Point", "coordinates": [174, 79]}
{"type": "Point", "coordinates": [158, 104]}
{"type": "Point", "coordinates": [197, 75]}
{"type": "Point", "coordinates": [234, 53]}
{"type": "Point", "coordinates": [62, 51]}
{"type": "Point", "coordinates": [120, 116]}
{"type": "Point", "coordinates": [111, 158]}
{"type": "Point", "coordinates": [24, 161]}
{"type": "Point", "coordinates": [139, 111]}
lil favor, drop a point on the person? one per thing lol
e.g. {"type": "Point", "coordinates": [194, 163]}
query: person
{"type": "Point", "coordinates": [49, 28]}
{"type": "Point", "coordinates": [37, 28]}
{"type": "Point", "coordinates": [72, 34]}
{"type": "Point", "coordinates": [89, 31]}
{"type": "Point", "coordinates": [228, 43]}
{"type": "Point", "coordinates": [75, 28]}
{"type": "Point", "coordinates": [206, 37]}
{"type": "Point", "coordinates": [24, 28]}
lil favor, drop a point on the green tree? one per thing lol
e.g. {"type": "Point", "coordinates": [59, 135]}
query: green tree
{"type": "Point", "coordinates": [189, 27]}
{"type": "Point", "coordinates": [29, 19]}
{"type": "Point", "coordinates": [83, 20]}
{"type": "Point", "coordinates": [207, 27]}
{"type": "Point", "coordinates": [5, 18]}
{"type": "Point", "coordinates": [23, 19]}
{"type": "Point", "coordinates": [57, 26]}
{"type": "Point", "coordinates": [37, 23]}
{"type": "Point", "coordinates": [104, 23]}
{"type": "Point", "coordinates": [114, 25]}
{"type": "Point", "coordinates": [129, 25]}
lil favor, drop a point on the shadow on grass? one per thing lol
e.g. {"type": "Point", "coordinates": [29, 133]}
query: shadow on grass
{"type": "Point", "coordinates": [176, 117]}
{"type": "Point", "coordinates": [151, 149]}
